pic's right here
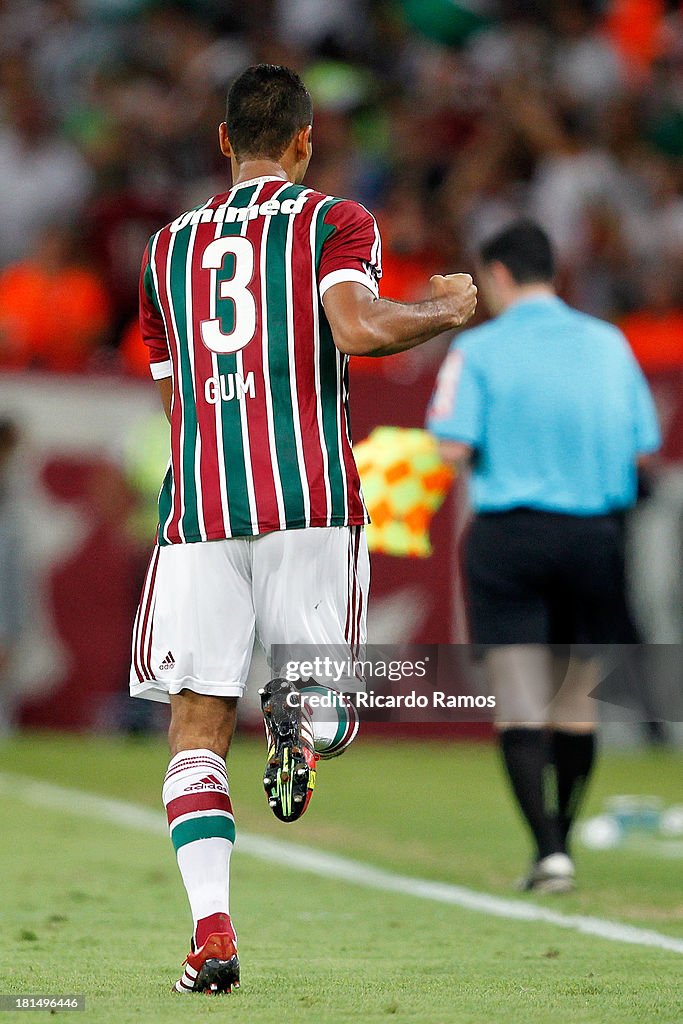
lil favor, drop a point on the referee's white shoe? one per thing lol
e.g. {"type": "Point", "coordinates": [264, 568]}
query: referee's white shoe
{"type": "Point", "coordinates": [552, 874]}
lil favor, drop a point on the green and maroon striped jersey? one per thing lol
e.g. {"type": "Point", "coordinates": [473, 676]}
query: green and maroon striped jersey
{"type": "Point", "coordinates": [231, 309]}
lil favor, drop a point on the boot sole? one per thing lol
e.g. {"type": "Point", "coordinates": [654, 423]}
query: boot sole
{"type": "Point", "coordinates": [288, 780]}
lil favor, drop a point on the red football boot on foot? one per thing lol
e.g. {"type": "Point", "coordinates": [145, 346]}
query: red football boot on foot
{"type": "Point", "coordinates": [214, 968]}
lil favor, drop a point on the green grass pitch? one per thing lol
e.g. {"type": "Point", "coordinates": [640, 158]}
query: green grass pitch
{"type": "Point", "coordinates": [93, 908]}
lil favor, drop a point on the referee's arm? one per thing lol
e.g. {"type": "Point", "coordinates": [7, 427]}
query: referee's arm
{"type": "Point", "coordinates": [456, 410]}
{"type": "Point", "coordinates": [647, 434]}
{"type": "Point", "coordinates": [456, 453]}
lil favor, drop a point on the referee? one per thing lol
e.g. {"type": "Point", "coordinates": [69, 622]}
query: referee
{"type": "Point", "coordinates": [551, 412]}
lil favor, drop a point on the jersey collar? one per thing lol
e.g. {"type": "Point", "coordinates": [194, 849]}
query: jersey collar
{"type": "Point", "coordinates": [263, 177]}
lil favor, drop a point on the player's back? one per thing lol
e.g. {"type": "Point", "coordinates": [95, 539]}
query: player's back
{"type": "Point", "coordinates": [231, 308]}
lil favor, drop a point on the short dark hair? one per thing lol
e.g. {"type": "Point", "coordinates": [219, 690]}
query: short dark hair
{"type": "Point", "coordinates": [267, 105]}
{"type": "Point", "coordinates": [525, 249]}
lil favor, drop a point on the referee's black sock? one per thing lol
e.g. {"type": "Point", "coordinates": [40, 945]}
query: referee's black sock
{"type": "Point", "coordinates": [574, 755]}
{"type": "Point", "coordinates": [527, 755]}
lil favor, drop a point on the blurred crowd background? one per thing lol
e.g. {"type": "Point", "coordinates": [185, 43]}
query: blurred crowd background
{"type": "Point", "coordinates": [447, 118]}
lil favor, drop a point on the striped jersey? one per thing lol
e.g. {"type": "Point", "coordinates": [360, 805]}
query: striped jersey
{"type": "Point", "coordinates": [231, 309]}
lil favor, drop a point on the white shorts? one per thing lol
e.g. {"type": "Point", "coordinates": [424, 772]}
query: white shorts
{"type": "Point", "coordinates": [203, 605]}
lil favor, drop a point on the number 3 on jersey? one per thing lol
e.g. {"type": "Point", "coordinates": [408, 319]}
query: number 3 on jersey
{"type": "Point", "coordinates": [235, 290]}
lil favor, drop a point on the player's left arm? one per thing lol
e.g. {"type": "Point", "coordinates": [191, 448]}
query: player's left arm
{"type": "Point", "coordinates": [166, 392]}
{"type": "Point", "coordinates": [154, 333]}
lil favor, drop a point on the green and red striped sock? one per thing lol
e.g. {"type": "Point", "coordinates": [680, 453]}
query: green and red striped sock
{"type": "Point", "coordinates": [202, 829]}
{"type": "Point", "coordinates": [333, 717]}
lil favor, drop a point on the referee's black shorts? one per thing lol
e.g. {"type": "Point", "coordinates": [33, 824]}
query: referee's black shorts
{"type": "Point", "coordinates": [544, 578]}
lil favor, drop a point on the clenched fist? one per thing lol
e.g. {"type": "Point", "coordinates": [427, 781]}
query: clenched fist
{"type": "Point", "coordinates": [459, 292]}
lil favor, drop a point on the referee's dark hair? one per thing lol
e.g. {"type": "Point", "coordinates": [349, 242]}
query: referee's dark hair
{"type": "Point", "coordinates": [267, 105]}
{"type": "Point", "coordinates": [525, 249]}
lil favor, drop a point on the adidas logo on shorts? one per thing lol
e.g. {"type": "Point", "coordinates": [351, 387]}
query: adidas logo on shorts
{"type": "Point", "coordinates": [168, 662]}
{"type": "Point", "coordinates": [208, 782]}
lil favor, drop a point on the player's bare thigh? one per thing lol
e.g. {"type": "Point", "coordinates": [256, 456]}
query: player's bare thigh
{"type": "Point", "coordinates": [201, 722]}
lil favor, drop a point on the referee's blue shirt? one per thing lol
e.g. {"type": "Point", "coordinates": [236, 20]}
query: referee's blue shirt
{"type": "Point", "coordinates": [555, 406]}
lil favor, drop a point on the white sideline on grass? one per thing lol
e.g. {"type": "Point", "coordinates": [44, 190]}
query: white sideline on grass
{"type": "Point", "coordinates": [327, 865]}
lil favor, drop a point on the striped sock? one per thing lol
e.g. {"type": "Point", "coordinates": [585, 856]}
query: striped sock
{"type": "Point", "coordinates": [202, 828]}
{"type": "Point", "coordinates": [335, 727]}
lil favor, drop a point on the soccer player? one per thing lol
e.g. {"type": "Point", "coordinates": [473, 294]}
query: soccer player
{"type": "Point", "coordinates": [251, 305]}
{"type": "Point", "coordinates": [551, 410]}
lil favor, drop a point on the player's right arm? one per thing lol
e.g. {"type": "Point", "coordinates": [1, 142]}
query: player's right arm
{"type": "Point", "coordinates": [364, 325]}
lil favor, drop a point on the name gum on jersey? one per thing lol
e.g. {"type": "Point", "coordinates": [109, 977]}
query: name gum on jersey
{"type": "Point", "coordinates": [228, 386]}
